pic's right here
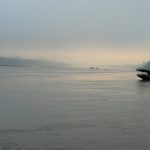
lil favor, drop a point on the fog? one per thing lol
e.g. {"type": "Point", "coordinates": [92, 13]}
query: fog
{"type": "Point", "coordinates": [55, 29]}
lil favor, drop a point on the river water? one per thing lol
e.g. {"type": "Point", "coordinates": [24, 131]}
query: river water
{"type": "Point", "coordinates": [73, 109]}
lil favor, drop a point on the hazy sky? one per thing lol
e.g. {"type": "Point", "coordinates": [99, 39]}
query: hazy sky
{"type": "Point", "coordinates": [76, 31]}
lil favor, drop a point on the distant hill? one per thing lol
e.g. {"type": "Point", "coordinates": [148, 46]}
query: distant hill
{"type": "Point", "coordinates": [19, 62]}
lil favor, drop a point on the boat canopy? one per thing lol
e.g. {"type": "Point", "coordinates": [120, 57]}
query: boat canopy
{"type": "Point", "coordinates": [145, 67]}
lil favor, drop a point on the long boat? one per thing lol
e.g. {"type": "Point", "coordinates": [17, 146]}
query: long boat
{"type": "Point", "coordinates": [144, 71]}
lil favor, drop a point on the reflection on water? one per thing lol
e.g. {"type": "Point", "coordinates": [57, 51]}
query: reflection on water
{"type": "Point", "coordinates": [78, 109]}
{"type": "Point", "coordinates": [143, 87]}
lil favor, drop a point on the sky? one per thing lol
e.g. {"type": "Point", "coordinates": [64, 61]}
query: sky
{"type": "Point", "coordinates": [79, 32]}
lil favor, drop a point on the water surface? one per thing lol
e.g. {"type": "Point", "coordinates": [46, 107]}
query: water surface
{"type": "Point", "coordinates": [73, 109]}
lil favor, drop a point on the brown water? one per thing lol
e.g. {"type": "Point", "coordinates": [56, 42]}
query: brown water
{"type": "Point", "coordinates": [73, 109]}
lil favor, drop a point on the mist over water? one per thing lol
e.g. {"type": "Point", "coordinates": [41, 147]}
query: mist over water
{"type": "Point", "coordinates": [45, 108]}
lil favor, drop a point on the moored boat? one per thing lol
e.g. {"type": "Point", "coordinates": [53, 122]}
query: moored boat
{"type": "Point", "coordinates": [144, 71]}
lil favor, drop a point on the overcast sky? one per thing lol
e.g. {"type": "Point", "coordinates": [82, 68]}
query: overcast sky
{"type": "Point", "coordinates": [76, 31]}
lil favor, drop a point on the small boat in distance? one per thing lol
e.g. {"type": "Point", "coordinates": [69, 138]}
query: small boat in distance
{"type": "Point", "coordinates": [94, 68]}
{"type": "Point", "coordinates": [144, 71]}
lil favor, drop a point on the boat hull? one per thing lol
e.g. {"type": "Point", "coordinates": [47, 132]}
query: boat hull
{"type": "Point", "coordinates": [144, 76]}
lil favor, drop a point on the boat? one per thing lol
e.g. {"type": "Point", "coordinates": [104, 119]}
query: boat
{"type": "Point", "coordinates": [144, 71]}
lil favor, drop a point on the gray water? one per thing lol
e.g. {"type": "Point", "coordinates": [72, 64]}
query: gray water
{"type": "Point", "coordinates": [73, 109]}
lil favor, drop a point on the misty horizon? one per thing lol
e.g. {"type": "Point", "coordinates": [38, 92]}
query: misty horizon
{"type": "Point", "coordinates": [28, 62]}
{"type": "Point", "coordinates": [76, 32]}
